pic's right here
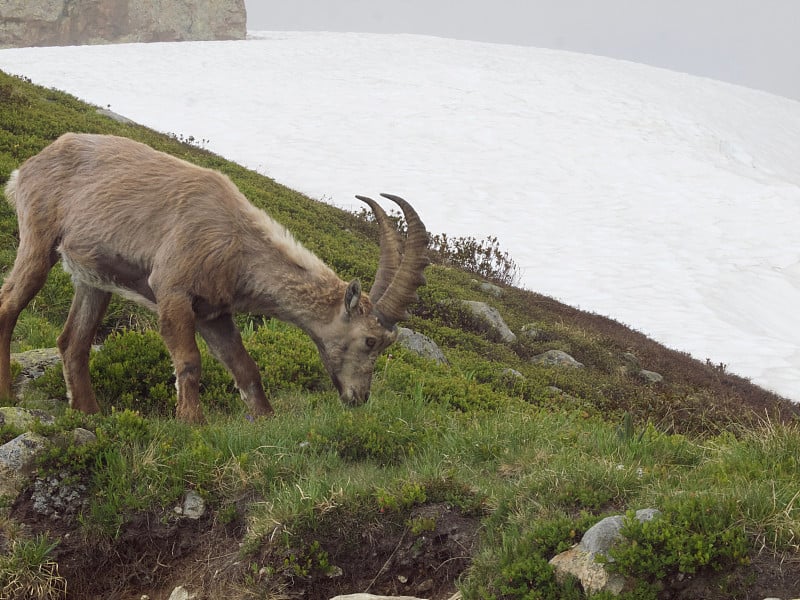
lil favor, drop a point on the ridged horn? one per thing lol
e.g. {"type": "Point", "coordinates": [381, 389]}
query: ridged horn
{"type": "Point", "coordinates": [393, 303]}
{"type": "Point", "coordinates": [391, 245]}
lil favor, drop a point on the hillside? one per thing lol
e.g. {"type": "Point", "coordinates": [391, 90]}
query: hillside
{"type": "Point", "coordinates": [665, 201]}
{"type": "Point", "coordinates": [450, 477]}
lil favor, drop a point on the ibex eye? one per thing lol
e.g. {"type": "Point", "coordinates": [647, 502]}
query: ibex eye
{"type": "Point", "coordinates": [371, 341]}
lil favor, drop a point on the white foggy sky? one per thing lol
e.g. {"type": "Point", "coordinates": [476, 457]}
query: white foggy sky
{"type": "Point", "coordinates": [755, 43]}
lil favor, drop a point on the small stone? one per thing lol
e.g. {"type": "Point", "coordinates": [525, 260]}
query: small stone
{"type": "Point", "coordinates": [194, 506]}
{"type": "Point", "coordinates": [557, 358]}
{"type": "Point", "coordinates": [579, 560]}
{"type": "Point", "coordinates": [489, 288]}
{"type": "Point", "coordinates": [420, 344]}
{"type": "Point", "coordinates": [81, 436]}
{"type": "Point", "coordinates": [651, 376]}
{"type": "Point", "coordinates": [181, 593]}
{"type": "Point", "coordinates": [511, 374]}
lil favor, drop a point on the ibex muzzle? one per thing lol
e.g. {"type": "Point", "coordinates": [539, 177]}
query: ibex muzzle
{"type": "Point", "coordinates": [183, 241]}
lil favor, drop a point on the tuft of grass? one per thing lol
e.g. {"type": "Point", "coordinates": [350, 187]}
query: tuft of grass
{"type": "Point", "coordinates": [28, 571]}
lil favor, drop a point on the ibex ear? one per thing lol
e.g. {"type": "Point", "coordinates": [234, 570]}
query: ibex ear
{"type": "Point", "coordinates": [352, 296]}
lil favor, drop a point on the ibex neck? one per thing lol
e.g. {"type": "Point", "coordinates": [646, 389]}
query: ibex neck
{"type": "Point", "coordinates": [304, 297]}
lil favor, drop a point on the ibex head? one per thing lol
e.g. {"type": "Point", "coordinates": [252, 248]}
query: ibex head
{"type": "Point", "coordinates": [366, 325]}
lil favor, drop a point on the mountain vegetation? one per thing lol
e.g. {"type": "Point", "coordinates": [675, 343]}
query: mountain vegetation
{"type": "Point", "coordinates": [467, 476]}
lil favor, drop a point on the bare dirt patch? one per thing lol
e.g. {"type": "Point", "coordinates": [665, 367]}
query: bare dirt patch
{"type": "Point", "coordinates": [422, 554]}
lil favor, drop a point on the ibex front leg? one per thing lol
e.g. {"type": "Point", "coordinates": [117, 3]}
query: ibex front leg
{"type": "Point", "coordinates": [177, 325]}
{"type": "Point", "coordinates": [225, 343]}
{"type": "Point", "coordinates": [34, 261]}
{"type": "Point", "coordinates": [75, 342]}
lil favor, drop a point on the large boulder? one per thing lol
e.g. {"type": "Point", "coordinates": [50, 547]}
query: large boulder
{"type": "Point", "coordinates": [75, 22]}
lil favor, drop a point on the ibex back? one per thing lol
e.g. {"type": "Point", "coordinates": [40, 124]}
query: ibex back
{"type": "Point", "coordinates": [183, 241]}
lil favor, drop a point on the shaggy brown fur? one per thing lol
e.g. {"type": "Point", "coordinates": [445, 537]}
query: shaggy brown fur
{"type": "Point", "coordinates": [183, 241]}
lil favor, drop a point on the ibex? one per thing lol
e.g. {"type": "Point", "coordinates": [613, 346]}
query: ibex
{"type": "Point", "coordinates": [185, 242]}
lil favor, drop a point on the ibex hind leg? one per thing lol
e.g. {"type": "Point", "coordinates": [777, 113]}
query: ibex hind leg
{"type": "Point", "coordinates": [27, 277]}
{"type": "Point", "coordinates": [75, 342]}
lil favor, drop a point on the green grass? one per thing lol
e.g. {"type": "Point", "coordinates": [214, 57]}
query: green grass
{"type": "Point", "coordinates": [534, 461]}
{"type": "Point", "coordinates": [28, 571]}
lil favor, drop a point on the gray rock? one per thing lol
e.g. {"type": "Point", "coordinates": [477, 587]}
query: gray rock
{"type": "Point", "coordinates": [599, 538]}
{"type": "Point", "coordinates": [81, 437]}
{"type": "Point", "coordinates": [23, 418]}
{"type": "Point", "coordinates": [651, 376]}
{"type": "Point", "coordinates": [631, 362]}
{"type": "Point", "coordinates": [420, 344]}
{"type": "Point", "coordinates": [511, 374]}
{"type": "Point", "coordinates": [181, 593]}
{"type": "Point", "coordinates": [493, 320]}
{"type": "Point", "coordinates": [488, 288]}
{"type": "Point", "coordinates": [116, 117]}
{"type": "Point", "coordinates": [17, 458]}
{"type": "Point", "coordinates": [556, 358]}
{"type": "Point", "coordinates": [58, 497]}
{"type": "Point", "coordinates": [66, 22]}
{"type": "Point", "coordinates": [20, 453]}
{"type": "Point", "coordinates": [35, 362]}
{"type": "Point", "coordinates": [194, 506]}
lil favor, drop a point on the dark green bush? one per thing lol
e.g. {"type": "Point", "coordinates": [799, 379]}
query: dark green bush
{"type": "Point", "coordinates": [287, 357]}
{"type": "Point", "coordinates": [694, 532]}
{"type": "Point", "coordinates": [521, 571]}
{"type": "Point", "coordinates": [134, 370]}
{"type": "Point", "coordinates": [63, 456]}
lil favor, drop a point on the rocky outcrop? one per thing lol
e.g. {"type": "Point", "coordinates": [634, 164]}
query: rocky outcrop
{"type": "Point", "coordinates": [76, 22]}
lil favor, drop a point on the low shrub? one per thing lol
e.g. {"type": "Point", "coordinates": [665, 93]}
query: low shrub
{"type": "Point", "coordinates": [520, 568]}
{"type": "Point", "coordinates": [695, 531]}
{"type": "Point", "coordinates": [133, 370]}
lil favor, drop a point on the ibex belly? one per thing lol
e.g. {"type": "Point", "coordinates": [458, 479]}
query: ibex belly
{"type": "Point", "coordinates": [111, 273]}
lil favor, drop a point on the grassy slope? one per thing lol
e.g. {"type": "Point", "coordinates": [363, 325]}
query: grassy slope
{"type": "Point", "coordinates": [532, 467]}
